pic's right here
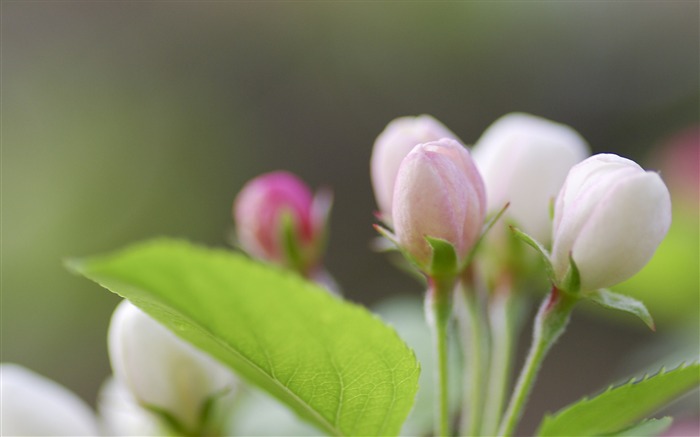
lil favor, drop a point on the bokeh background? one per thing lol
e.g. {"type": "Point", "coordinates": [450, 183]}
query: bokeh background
{"type": "Point", "coordinates": [128, 120]}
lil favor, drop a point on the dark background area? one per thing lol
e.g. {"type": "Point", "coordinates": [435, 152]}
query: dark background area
{"type": "Point", "coordinates": [128, 120]}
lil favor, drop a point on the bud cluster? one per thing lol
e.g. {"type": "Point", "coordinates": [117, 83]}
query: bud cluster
{"type": "Point", "coordinates": [610, 214]}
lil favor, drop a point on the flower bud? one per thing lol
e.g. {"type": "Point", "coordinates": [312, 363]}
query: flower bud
{"type": "Point", "coordinates": [524, 160]}
{"type": "Point", "coordinates": [276, 204]}
{"type": "Point", "coordinates": [391, 147]}
{"type": "Point", "coordinates": [161, 370]}
{"type": "Point", "coordinates": [610, 216]}
{"type": "Point", "coordinates": [33, 405]}
{"type": "Point", "coordinates": [121, 415]}
{"type": "Point", "coordinates": [439, 193]}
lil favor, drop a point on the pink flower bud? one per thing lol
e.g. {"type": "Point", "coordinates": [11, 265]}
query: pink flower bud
{"type": "Point", "coordinates": [610, 217]}
{"type": "Point", "coordinates": [439, 193]}
{"type": "Point", "coordinates": [524, 160]}
{"type": "Point", "coordinates": [391, 147]}
{"type": "Point", "coordinates": [260, 211]}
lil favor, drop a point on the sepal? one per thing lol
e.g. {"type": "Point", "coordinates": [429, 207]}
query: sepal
{"type": "Point", "coordinates": [444, 261]}
{"type": "Point", "coordinates": [525, 238]}
{"type": "Point", "coordinates": [620, 302]}
{"type": "Point", "coordinates": [291, 244]}
{"type": "Point", "coordinates": [484, 230]}
{"type": "Point", "coordinates": [572, 280]}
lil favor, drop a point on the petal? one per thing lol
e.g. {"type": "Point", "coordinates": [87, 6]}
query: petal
{"type": "Point", "coordinates": [34, 405]}
{"type": "Point", "coordinates": [623, 233]}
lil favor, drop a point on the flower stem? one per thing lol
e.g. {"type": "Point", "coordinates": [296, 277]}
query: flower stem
{"type": "Point", "coordinates": [502, 320]}
{"type": "Point", "coordinates": [438, 309]}
{"type": "Point", "coordinates": [476, 354]}
{"type": "Point", "coordinates": [550, 324]}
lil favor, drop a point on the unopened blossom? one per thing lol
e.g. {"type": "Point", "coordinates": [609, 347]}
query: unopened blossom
{"type": "Point", "coordinates": [160, 369]}
{"type": "Point", "coordinates": [524, 160]}
{"type": "Point", "coordinates": [120, 414]}
{"type": "Point", "coordinates": [610, 216]}
{"type": "Point", "coordinates": [439, 193]}
{"type": "Point", "coordinates": [260, 211]}
{"type": "Point", "coordinates": [33, 405]}
{"type": "Point", "coordinates": [391, 146]}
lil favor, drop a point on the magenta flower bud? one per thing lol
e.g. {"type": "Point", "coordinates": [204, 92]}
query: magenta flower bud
{"type": "Point", "coordinates": [391, 147]}
{"type": "Point", "coordinates": [610, 217]}
{"type": "Point", "coordinates": [271, 205]}
{"type": "Point", "coordinates": [439, 193]}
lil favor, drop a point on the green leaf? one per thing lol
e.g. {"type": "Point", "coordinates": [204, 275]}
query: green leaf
{"type": "Point", "coordinates": [444, 261]}
{"type": "Point", "coordinates": [525, 238]}
{"type": "Point", "coordinates": [332, 362]}
{"type": "Point", "coordinates": [620, 302]}
{"type": "Point", "coordinates": [617, 408]}
{"type": "Point", "coordinates": [646, 428]}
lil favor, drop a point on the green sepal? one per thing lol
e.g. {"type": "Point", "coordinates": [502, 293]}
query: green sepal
{"type": "Point", "coordinates": [487, 227]}
{"type": "Point", "coordinates": [645, 428]}
{"type": "Point", "coordinates": [407, 263]}
{"type": "Point", "coordinates": [290, 243]}
{"type": "Point", "coordinates": [551, 206]}
{"type": "Point", "coordinates": [525, 238]}
{"type": "Point", "coordinates": [444, 262]}
{"type": "Point", "coordinates": [620, 302]}
{"type": "Point", "coordinates": [572, 280]}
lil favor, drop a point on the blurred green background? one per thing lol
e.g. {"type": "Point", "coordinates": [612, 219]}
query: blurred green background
{"type": "Point", "coordinates": [123, 121]}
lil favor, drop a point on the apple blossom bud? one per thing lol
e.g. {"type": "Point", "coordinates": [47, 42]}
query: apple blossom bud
{"type": "Point", "coordinates": [34, 405]}
{"type": "Point", "coordinates": [439, 193]}
{"type": "Point", "coordinates": [610, 216]}
{"type": "Point", "coordinates": [121, 415]}
{"type": "Point", "coordinates": [524, 160]}
{"type": "Point", "coordinates": [161, 370]}
{"type": "Point", "coordinates": [391, 147]}
{"type": "Point", "coordinates": [273, 205]}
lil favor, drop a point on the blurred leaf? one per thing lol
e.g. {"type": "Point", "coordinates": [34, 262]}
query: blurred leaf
{"type": "Point", "coordinates": [332, 362]}
{"type": "Point", "coordinates": [617, 408]}
{"type": "Point", "coordinates": [646, 428]}
{"type": "Point", "coordinates": [669, 284]}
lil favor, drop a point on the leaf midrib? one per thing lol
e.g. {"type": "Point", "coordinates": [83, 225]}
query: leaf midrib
{"type": "Point", "coordinates": [305, 406]}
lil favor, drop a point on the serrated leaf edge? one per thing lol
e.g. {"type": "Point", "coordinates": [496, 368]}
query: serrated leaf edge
{"type": "Point", "coordinates": [633, 380]}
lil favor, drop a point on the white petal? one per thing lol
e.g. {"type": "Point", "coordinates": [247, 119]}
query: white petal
{"type": "Point", "coordinates": [624, 232]}
{"type": "Point", "coordinates": [33, 405]}
{"type": "Point", "coordinates": [121, 415]}
{"type": "Point", "coordinates": [391, 147]}
{"type": "Point", "coordinates": [159, 368]}
{"type": "Point", "coordinates": [524, 160]}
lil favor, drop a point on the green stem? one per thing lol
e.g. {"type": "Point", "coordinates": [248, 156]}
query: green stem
{"type": "Point", "coordinates": [476, 354]}
{"type": "Point", "coordinates": [550, 323]}
{"type": "Point", "coordinates": [438, 309]}
{"type": "Point", "coordinates": [502, 321]}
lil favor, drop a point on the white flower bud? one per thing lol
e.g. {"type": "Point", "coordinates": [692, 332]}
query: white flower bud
{"type": "Point", "coordinates": [439, 193]}
{"type": "Point", "coordinates": [391, 147]}
{"type": "Point", "coordinates": [610, 216]}
{"type": "Point", "coordinates": [121, 415]}
{"type": "Point", "coordinates": [524, 160]}
{"type": "Point", "coordinates": [160, 369]}
{"type": "Point", "coordinates": [33, 405]}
